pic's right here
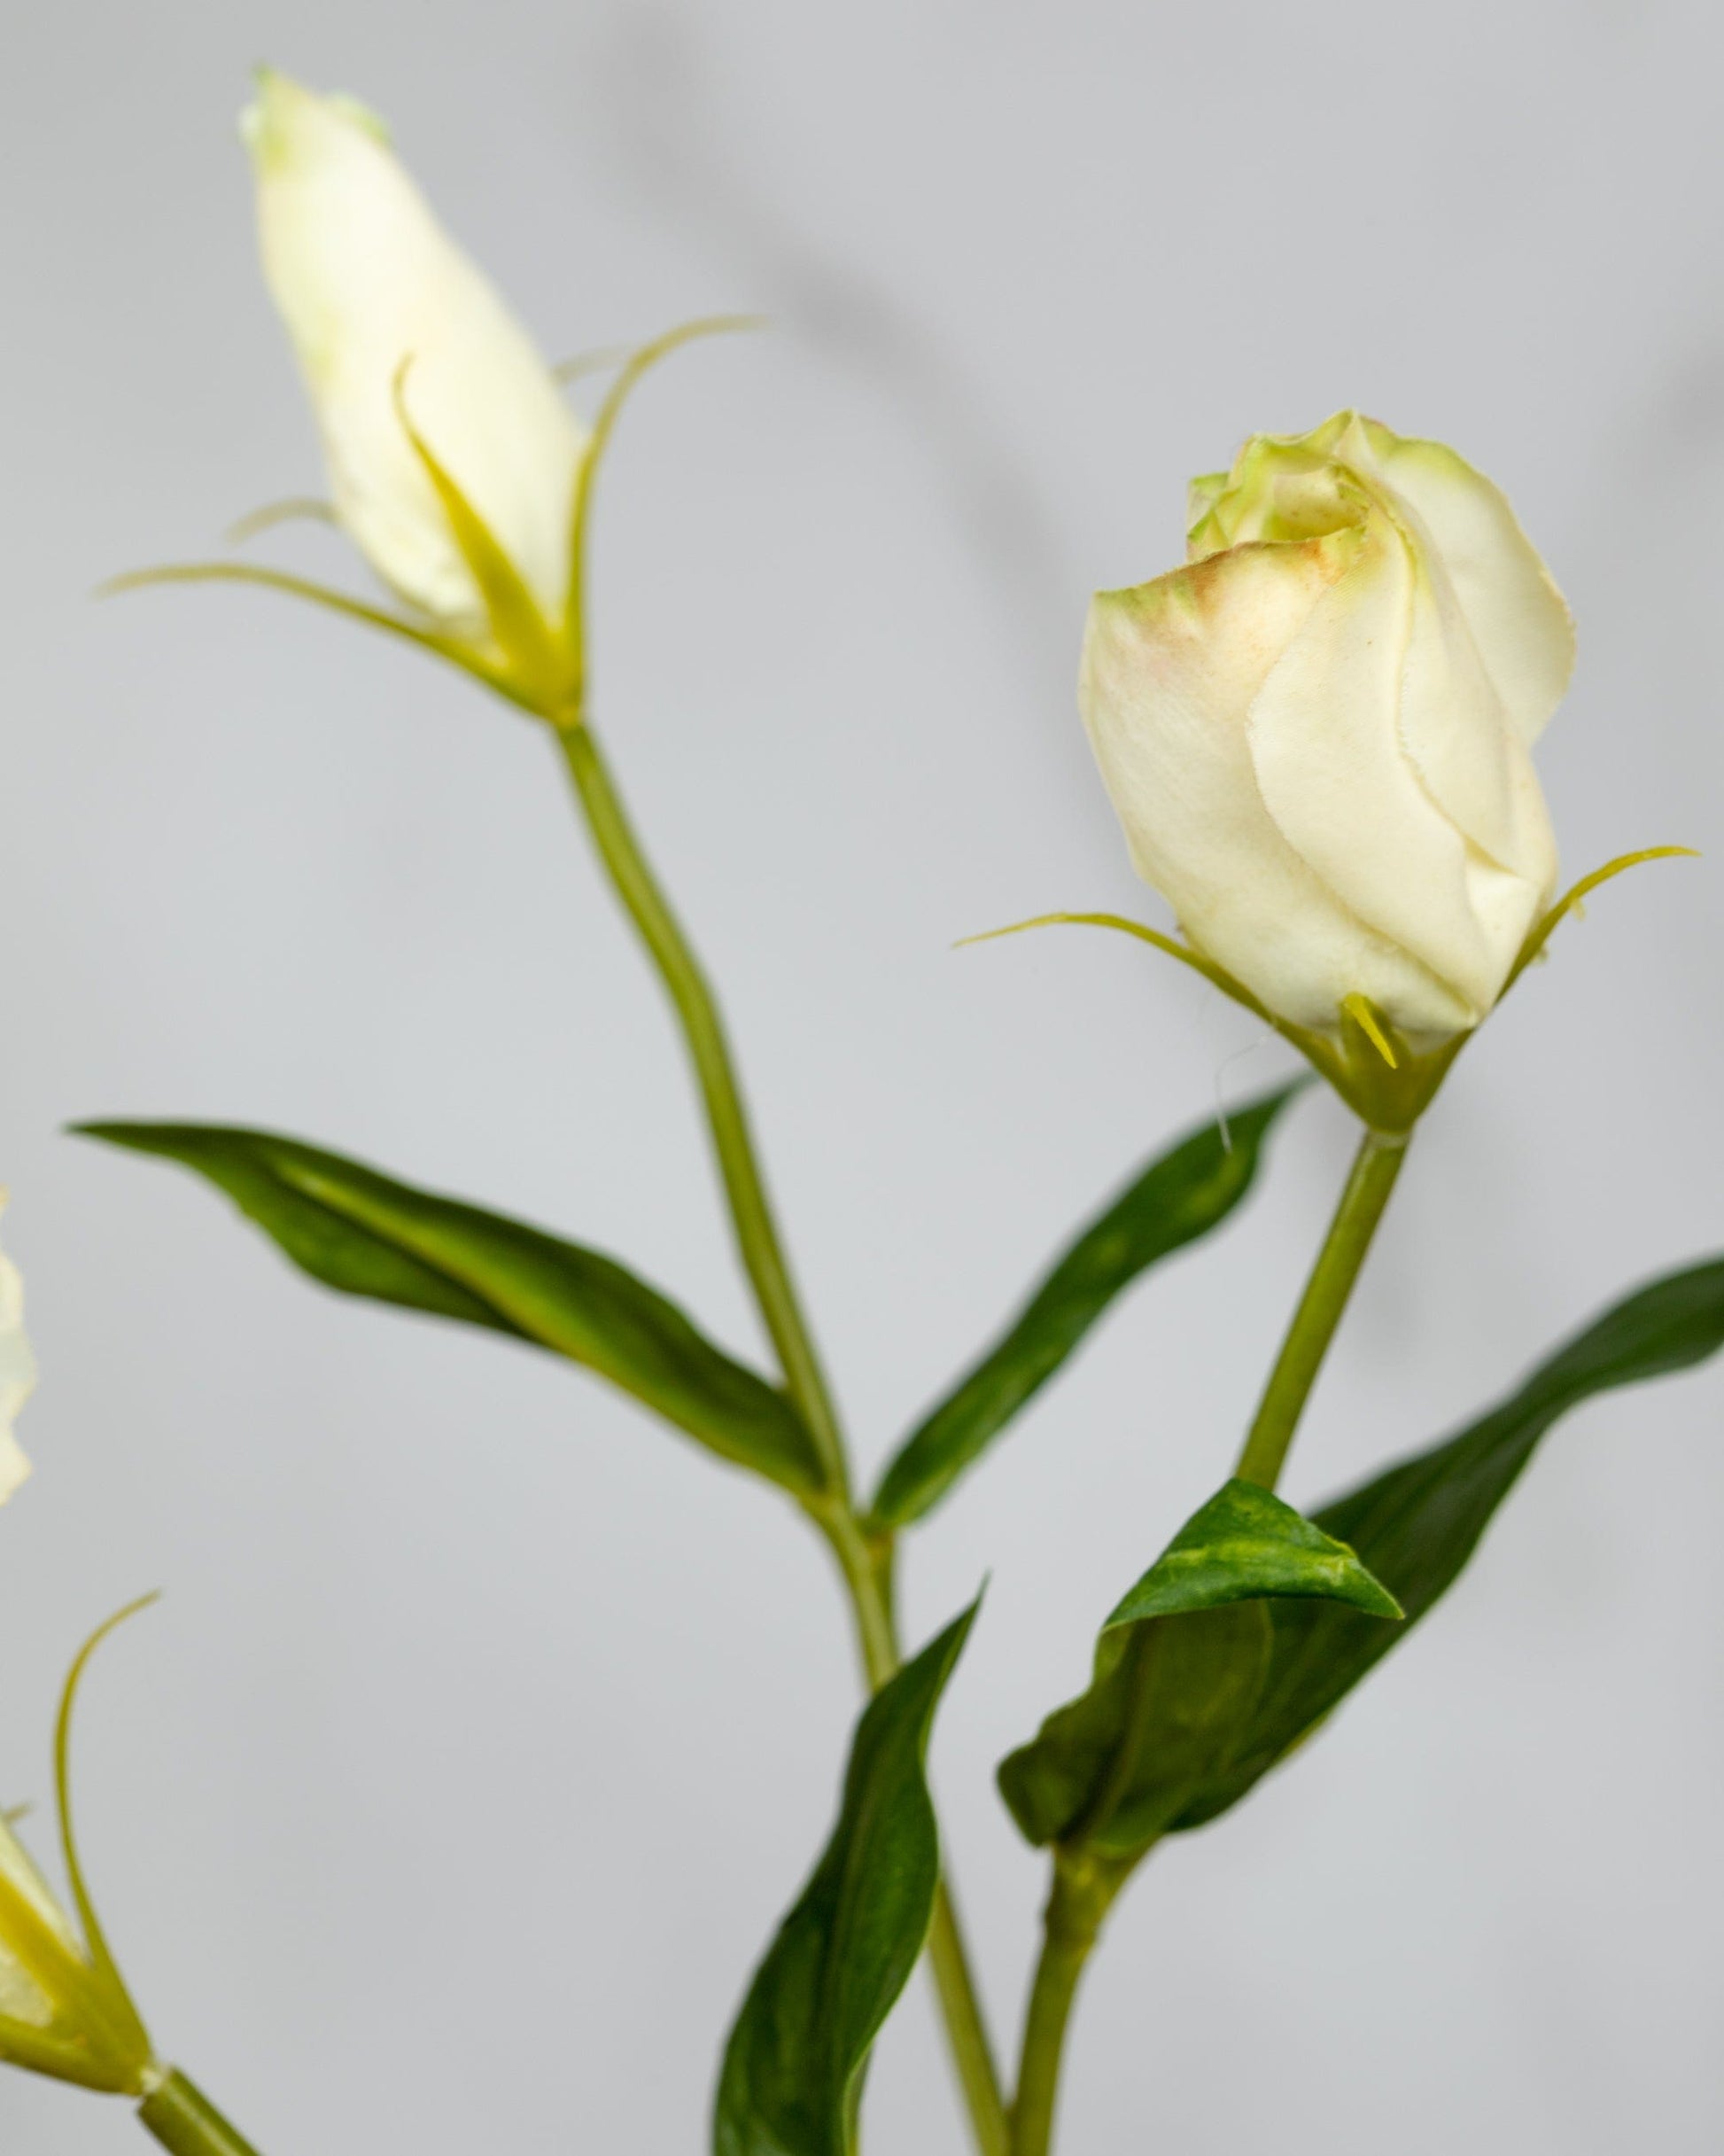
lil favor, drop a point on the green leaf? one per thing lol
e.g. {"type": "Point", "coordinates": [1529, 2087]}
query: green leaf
{"type": "Point", "coordinates": [366, 1234]}
{"type": "Point", "coordinates": [792, 2078]}
{"type": "Point", "coordinates": [1416, 1525]}
{"type": "Point", "coordinates": [1179, 1668]}
{"type": "Point", "coordinates": [1180, 1197]}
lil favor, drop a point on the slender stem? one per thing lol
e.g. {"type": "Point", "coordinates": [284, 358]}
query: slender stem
{"type": "Point", "coordinates": [756, 1231]}
{"type": "Point", "coordinates": [1375, 1167]}
{"type": "Point", "coordinates": [865, 1558]}
{"type": "Point", "coordinates": [1083, 1884]}
{"type": "Point", "coordinates": [967, 2032]}
{"type": "Point", "coordinates": [1084, 1887]}
{"type": "Point", "coordinates": [182, 2119]}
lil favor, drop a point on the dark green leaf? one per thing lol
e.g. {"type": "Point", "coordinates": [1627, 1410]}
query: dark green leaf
{"type": "Point", "coordinates": [1416, 1525]}
{"type": "Point", "coordinates": [792, 2078]}
{"type": "Point", "coordinates": [1178, 1669]}
{"type": "Point", "coordinates": [1182, 1196]}
{"type": "Point", "coordinates": [368, 1235]}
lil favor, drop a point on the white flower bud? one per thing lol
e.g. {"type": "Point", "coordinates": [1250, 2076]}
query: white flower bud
{"type": "Point", "coordinates": [1316, 734]}
{"type": "Point", "coordinates": [18, 1373]}
{"type": "Point", "coordinates": [388, 317]}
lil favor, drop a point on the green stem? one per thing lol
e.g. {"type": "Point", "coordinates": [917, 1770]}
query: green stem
{"type": "Point", "coordinates": [967, 2032]}
{"type": "Point", "coordinates": [864, 1558]}
{"type": "Point", "coordinates": [1084, 1885]}
{"type": "Point", "coordinates": [1083, 1888]}
{"type": "Point", "coordinates": [750, 1209]}
{"type": "Point", "coordinates": [1375, 1168]}
{"type": "Point", "coordinates": [182, 2119]}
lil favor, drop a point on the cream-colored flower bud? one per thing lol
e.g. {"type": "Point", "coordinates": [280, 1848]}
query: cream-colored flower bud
{"type": "Point", "coordinates": [396, 330]}
{"type": "Point", "coordinates": [18, 1373]}
{"type": "Point", "coordinates": [1316, 734]}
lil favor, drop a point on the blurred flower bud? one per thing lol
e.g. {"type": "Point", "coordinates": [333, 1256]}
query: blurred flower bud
{"type": "Point", "coordinates": [61, 2011]}
{"type": "Point", "coordinates": [63, 2008]}
{"type": "Point", "coordinates": [18, 1373]}
{"type": "Point", "coordinates": [436, 410]}
{"type": "Point", "coordinates": [1316, 734]}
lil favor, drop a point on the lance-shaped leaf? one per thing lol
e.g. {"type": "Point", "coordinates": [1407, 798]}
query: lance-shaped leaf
{"type": "Point", "coordinates": [1179, 1668]}
{"type": "Point", "coordinates": [792, 2078]}
{"type": "Point", "coordinates": [1181, 1195]}
{"type": "Point", "coordinates": [370, 1235]}
{"type": "Point", "coordinates": [1416, 1525]}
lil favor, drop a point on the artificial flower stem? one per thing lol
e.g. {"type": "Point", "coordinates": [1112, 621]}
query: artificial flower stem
{"type": "Point", "coordinates": [864, 1559]}
{"type": "Point", "coordinates": [1083, 1888]}
{"type": "Point", "coordinates": [967, 2034]}
{"type": "Point", "coordinates": [750, 1209]}
{"type": "Point", "coordinates": [1375, 1167]}
{"type": "Point", "coordinates": [182, 2119]}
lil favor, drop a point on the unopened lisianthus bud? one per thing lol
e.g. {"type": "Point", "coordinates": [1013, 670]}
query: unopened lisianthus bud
{"type": "Point", "coordinates": [396, 330]}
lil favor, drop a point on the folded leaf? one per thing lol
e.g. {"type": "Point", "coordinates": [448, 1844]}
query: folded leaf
{"type": "Point", "coordinates": [1182, 1196]}
{"type": "Point", "coordinates": [792, 2077]}
{"type": "Point", "coordinates": [1179, 1669]}
{"type": "Point", "coordinates": [1416, 1525]}
{"type": "Point", "coordinates": [369, 1235]}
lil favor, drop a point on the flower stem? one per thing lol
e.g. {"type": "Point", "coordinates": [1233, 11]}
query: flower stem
{"type": "Point", "coordinates": [182, 2119]}
{"type": "Point", "coordinates": [967, 2032]}
{"type": "Point", "coordinates": [1084, 1884]}
{"type": "Point", "coordinates": [864, 1557]}
{"type": "Point", "coordinates": [697, 1012]}
{"type": "Point", "coordinates": [1375, 1167]}
{"type": "Point", "coordinates": [1083, 1888]}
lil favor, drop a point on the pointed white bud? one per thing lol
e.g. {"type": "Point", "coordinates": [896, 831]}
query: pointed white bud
{"type": "Point", "coordinates": [368, 284]}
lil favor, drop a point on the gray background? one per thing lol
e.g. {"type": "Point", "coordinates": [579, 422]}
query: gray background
{"type": "Point", "coordinates": [488, 1730]}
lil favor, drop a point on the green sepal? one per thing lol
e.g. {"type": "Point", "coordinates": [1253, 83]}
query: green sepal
{"type": "Point", "coordinates": [1416, 1525]}
{"type": "Point", "coordinates": [792, 2076]}
{"type": "Point", "coordinates": [1376, 1070]}
{"type": "Point", "coordinates": [636, 363]}
{"type": "Point", "coordinates": [367, 1234]}
{"type": "Point", "coordinates": [540, 662]}
{"type": "Point", "coordinates": [119, 2007]}
{"type": "Point", "coordinates": [1180, 1197]}
{"type": "Point", "coordinates": [76, 2021]}
{"type": "Point", "coordinates": [454, 649]}
{"type": "Point", "coordinates": [1179, 1668]}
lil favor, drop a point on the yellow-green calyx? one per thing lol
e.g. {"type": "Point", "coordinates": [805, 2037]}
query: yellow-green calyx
{"type": "Point", "coordinates": [1386, 1079]}
{"type": "Point", "coordinates": [63, 2007]}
